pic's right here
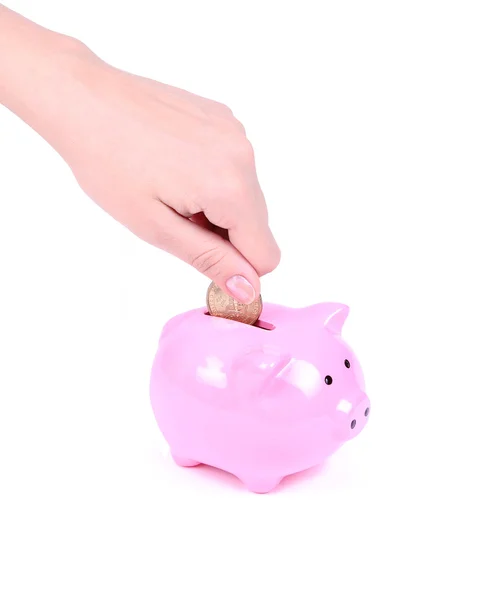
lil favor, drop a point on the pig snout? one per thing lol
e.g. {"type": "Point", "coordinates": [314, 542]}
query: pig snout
{"type": "Point", "coordinates": [359, 417]}
{"type": "Point", "coordinates": [354, 419]}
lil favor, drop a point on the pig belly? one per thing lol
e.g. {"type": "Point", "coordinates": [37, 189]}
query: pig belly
{"type": "Point", "coordinates": [246, 444]}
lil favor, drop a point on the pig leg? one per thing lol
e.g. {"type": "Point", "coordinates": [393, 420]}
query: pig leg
{"type": "Point", "coordinates": [184, 462]}
{"type": "Point", "coordinates": [261, 485]}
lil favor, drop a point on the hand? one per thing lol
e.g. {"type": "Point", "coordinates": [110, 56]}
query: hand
{"type": "Point", "coordinates": [174, 168]}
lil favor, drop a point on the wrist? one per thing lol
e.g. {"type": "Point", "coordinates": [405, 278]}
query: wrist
{"type": "Point", "coordinates": [38, 70]}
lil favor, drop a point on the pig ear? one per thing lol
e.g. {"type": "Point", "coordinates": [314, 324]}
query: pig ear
{"type": "Point", "coordinates": [336, 318]}
{"type": "Point", "coordinates": [254, 370]}
{"type": "Point", "coordinates": [330, 315]}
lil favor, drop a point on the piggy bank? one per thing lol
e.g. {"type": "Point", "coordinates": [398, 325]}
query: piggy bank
{"type": "Point", "coordinates": [259, 401]}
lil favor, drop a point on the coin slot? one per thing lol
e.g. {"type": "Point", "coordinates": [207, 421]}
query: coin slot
{"type": "Point", "coordinates": [264, 325]}
{"type": "Point", "coordinates": [260, 324]}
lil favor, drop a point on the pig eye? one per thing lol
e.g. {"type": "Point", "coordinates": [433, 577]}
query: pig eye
{"type": "Point", "coordinates": [328, 380]}
{"type": "Point", "coordinates": [347, 363]}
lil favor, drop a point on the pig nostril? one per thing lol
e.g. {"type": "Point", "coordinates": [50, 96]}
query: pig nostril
{"type": "Point", "coordinates": [352, 425]}
{"type": "Point", "coordinates": [367, 410]}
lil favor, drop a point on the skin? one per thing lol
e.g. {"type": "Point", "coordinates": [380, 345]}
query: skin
{"type": "Point", "coordinates": [174, 168]}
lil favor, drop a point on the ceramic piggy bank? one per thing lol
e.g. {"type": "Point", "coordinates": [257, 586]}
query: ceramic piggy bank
{"type": "Point", "coordinates": [259, 401]}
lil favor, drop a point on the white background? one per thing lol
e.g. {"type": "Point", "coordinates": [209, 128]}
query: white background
{"type": "Point", "coordinates": [363, 116]}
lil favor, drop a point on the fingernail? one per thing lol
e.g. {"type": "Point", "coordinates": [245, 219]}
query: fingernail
{"type": "Point", "coordinates": [241, 289]}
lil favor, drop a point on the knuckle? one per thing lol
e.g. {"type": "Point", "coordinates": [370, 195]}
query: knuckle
{"type": "Point", "coordinates": [270, 262]}
{"type": "Point", "coordinates": [209, 262]}
{"type": "Point", "coordinates": [275, 258]}
{"type": "Point", "coordinates": [245, 151]}
{"type": "Point", "coordinates": [239, 148]}
{"type": "Point", "coordinates": [232, 187]}
{"type": "Point", "coordinates": [223, 109]}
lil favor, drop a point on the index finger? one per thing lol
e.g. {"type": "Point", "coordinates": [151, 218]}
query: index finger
{"type": "Point", "coordinates": [251, 235]}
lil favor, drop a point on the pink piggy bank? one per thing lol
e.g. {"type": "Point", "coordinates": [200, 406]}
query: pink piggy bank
{"type": "Point", "coordinates": [259, 401]}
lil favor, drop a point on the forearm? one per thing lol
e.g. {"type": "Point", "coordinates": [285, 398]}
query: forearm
{"type": "Point", "coordinates": [38, 69]}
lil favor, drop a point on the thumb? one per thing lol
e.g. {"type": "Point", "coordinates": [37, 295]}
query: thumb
{"type": "Point", "coordinates": [211, 255]}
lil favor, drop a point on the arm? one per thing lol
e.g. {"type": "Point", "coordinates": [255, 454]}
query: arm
{"type": "Point", "coordinates": [33, 64]}
{"type": "Point", "coordinates": [174, 168]}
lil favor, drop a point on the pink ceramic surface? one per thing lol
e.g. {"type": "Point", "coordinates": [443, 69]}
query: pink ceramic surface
{"type": "Point", "coordinates": [258, 403]}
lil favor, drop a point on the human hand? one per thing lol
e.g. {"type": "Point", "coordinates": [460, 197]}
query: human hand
{"type": "Point", "coordinates": [176, 169]}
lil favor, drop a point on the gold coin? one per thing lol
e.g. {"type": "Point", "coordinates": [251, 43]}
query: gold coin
{"type": "Point", "coordinates": [220, 304]}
